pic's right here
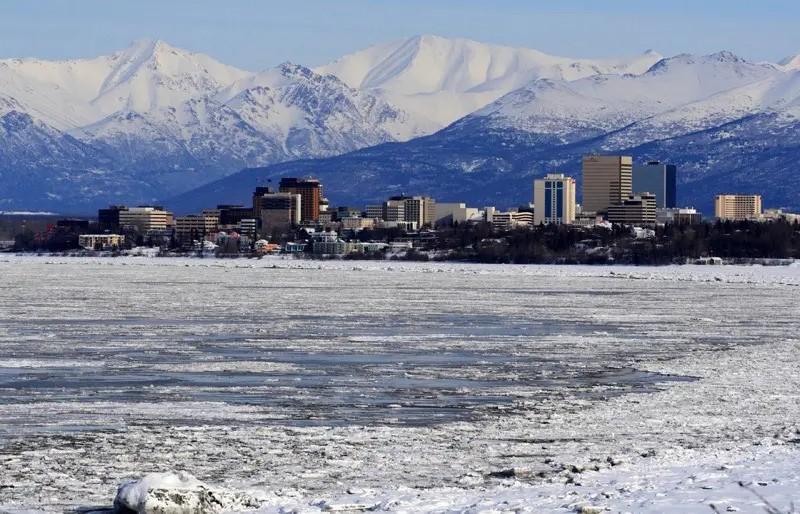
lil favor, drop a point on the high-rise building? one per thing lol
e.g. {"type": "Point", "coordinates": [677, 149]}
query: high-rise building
{"type": "Point", "coordinates": [639, 209]}
{"type": "Point", "coordinates": [659, 179]}
{"type": "Point", "coordinates": [145, 219]}
{"type": "Point", "coordinates": [606, 181]}
{"type": "Point", "coordinates": [420, 210]}
{"type": "Point", "coordinates": [280, 211]}
{"type": "Point", "coordinates": [554, 199]}
{"type": "Point", "coordinates": [737, 207]}
{"type": "Point", "coordinates": [310, 191]}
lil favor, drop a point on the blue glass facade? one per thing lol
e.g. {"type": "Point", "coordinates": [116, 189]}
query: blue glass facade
{"type": "Point", "coordinates": [659, 179]}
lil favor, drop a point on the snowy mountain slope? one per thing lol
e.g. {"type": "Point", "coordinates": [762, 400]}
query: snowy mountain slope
{"type": "Point", "coordinates": [595, 105]}
{"type": "Point", "coordinates": [147, 76]}
{"type": "Point", "coordinates": [727, 123]}
{"type": "Point", "coordinates": [285, 113]}
{"type": "Point", "coordinates": [442, 79]}
{"type": "Point", "coordinates": [162, 114]}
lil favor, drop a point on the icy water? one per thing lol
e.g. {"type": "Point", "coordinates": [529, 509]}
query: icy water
{"type": "Point", "coordinates": [104, 361]}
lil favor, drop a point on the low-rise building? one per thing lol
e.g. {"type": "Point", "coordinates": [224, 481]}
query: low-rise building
{"type": "Point", "coordinates": [678, 216]}
{"type": "Point", "coordinates": [356, 223]}
{"type": "Point", "coordinates": [448, 214]}
{"type": "Point", "coordinates": [195, 227]}
{"type": "Point", "coordinates": [779, 214]}
{"type": "Point", "coordinates": [638, 209]}
{"type": "Point", "coordinates": [100, 241]}
{"type": "Point", "coordinates": [588, 219]}
{"type": "Point", "coordinates": [508, 220]}
{"type": "Point", "coordinates": [329, 243]}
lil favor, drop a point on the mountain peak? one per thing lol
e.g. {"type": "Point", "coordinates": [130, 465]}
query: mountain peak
{"type": "Point", "coordinates": [790, 63]}
{"type": "Point", "coordinates": [726, 56]}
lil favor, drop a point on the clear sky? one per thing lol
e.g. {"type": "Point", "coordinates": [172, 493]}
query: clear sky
{"type": "Point", "coordinates": [256, 34]}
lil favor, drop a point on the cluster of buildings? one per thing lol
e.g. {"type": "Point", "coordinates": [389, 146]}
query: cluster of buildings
{"type": "Point", "coordinates": [615, 190]}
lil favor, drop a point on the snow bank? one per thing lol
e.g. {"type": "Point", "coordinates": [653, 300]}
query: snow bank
{"type": "Point", "coordinates": [178, 493]}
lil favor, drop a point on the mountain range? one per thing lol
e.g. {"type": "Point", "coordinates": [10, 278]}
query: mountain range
{"type": "Point", "coordinates": [453, 118]}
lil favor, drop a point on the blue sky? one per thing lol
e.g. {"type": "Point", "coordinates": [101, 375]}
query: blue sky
{"type": "Point", "coordinates": [257, 34]}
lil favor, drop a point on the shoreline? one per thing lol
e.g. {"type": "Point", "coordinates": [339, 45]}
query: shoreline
{"type": "Point", "coordinates": [764, 262]}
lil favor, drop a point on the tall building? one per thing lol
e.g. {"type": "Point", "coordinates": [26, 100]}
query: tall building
{"type": "Point", "coordinates": [659, 179]}
{"type": "Point", "coordinates": [737, 207]}
{"type": "Point", "coordinates": [145, 219]}
{"type": "Point", "coordinates": [310, 191]}
{"type": "Point", "coordinates": [606, 181]}
{"type": "Point", "coordinates": [639, 209]}
{"type": "Point", "coordinates": [420, 210]}
{"type": "Point", "coordinates": [280, 211]}
{"type": "Point", "coordinates": [554, 199]}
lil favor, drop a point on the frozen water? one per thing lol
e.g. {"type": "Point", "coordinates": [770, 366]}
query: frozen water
{"type": "Point", "coordinates": [419, 385]}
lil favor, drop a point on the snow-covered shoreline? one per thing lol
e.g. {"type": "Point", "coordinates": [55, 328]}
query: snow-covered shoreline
{"type": "Point", "coordinates": [677, 448]}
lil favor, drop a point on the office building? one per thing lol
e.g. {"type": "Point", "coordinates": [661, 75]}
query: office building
{"type": "Point", "coordinates": [737, 207]}
{"type": "Point", "coordinates": [659, 179]}
{"type": "Point", "coordinates": [606, 181]}
{"type": "Point", "coordinates": [374, 212]}
{"type": "Point", "coordinates": [639, 209]}
{"type": "Point", "coordinates": [145, 219]}
{"type": "Point", "coordinates": [108, 219]}
{"type": "Point", "coordinates": [419, 210]}
{"type": "Point", "coordinates": [310, 191]}
{"type": "Point", "coordinates": [280, 211]}
{"type": "Point", "coordinates": [394, 209]}
{"type": "Point", "coordinates": [231, 215]}
{"type": "Point", "coordinates": [195, 227]}
{"type": "Point", "coordinates": [554, 199]}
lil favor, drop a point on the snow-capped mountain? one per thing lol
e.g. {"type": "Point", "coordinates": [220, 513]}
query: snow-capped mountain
{"type": "Point", "coordinates": [441, 80]}
{"type": "Point", "coordinates": [592, 106]}
{"type": "Point", "coordinates": [148, 76]}
{"type": "Point", "coordinates": [153, 121]}
{"type": "Point", "coordinates": [727, 123]}
{"type": "Point", "coordinates": [171, 118]}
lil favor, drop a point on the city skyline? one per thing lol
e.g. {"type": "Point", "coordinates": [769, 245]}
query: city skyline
{"type": "Point", "coordinates": [256, 36]}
